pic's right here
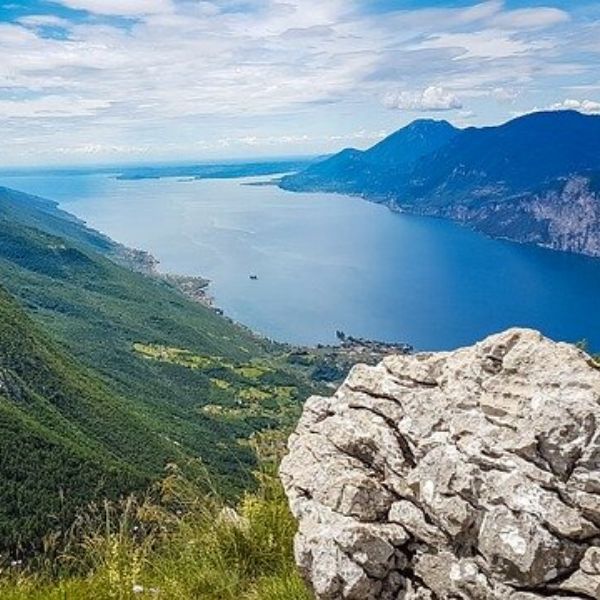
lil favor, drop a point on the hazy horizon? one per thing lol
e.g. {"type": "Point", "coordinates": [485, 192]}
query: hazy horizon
{"type": "Point", "coordinates": [87, 82]}
{"type": "Point", "coordinates": [216, 160]}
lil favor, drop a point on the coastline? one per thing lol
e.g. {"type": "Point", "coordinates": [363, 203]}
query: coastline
{"type": "Point", "coordinates": [337, 358]}
{"type": "Point", "coordinates": [461, 216]}
{"type": "Point", "coordinates": [141, 261]}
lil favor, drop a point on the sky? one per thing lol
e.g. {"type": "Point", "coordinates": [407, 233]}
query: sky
{"type": "Point", "coordinates": [126, 81]}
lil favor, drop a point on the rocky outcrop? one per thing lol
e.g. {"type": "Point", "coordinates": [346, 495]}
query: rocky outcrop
{"type": "Point", "coordinates": [473, 474]}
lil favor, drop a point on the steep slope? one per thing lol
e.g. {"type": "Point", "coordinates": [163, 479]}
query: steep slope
{"type": "Point", "coordinates": [64, 437]}
{"type": "Point", "coordinates": [562, 215]}
{"type": "Point", "coordinates": [171, 379]}
{"type": "Point", "coordinates": [533, 179]}
{"type": "Point", "coordinates": [379, 170]}
{"type": "Point", "coordinates": [519, 156]}
{"type": "Point", "coordinates": [45, 215]}
{"type": "Point", "coordinates": [405, 147]}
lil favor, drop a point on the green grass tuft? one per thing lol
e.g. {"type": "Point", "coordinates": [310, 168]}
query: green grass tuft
{"type": "Point", "coordinates": [182, 545]}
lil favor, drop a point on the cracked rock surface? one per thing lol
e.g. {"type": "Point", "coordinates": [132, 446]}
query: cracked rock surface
{"type": "Point", "coordinates": [472, 474]}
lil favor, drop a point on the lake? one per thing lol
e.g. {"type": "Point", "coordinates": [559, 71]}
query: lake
{"type": "Point", "coordinates": [327, 262]}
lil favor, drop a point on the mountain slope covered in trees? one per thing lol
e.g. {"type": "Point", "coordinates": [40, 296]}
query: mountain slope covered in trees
{"type": "Point", "coordinates": [64, 436]}
{"type": "Point", "coordinates": [533, 179]}
{"type": "Point", "coordinates": [108, 374]}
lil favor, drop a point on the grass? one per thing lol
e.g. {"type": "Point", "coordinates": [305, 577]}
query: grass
{"type": "Point", "coordinates": [238, 390]}
{"type": "Point", "coordinates": [186, 358]}
{"type": "Point", "coordinates": [177, 356]}
{"type": "Point", "coordinates": [220, 384]}
{"type": "Point", "coordinates": [180, 543]}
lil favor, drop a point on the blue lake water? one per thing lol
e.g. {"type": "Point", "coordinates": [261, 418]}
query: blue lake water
{"type": "Point", "coordinates": [327, 262]}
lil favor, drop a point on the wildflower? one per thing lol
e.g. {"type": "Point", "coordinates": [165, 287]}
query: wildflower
{"type": "Point", "coordinates": [138, 589]}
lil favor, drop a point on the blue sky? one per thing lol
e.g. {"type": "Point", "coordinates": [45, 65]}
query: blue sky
{"type": "Point", "coordinates": [93, 81]}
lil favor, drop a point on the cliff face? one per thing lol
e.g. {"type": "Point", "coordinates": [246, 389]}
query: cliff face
{"type": "Point", "coordinates": [473, 474]}
{"type": "Point", "coordinates": [565, 217]}
{"type": "Point", "coordinates": [533, 179]}
{"type": "Point", "coordinates": [571, 217]}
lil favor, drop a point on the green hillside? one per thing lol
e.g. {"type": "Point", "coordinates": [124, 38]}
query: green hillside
{"type": "Point", "coordinates": [91, 401]}
{"type": "Point", "coordinates": [17, 207]}
{"type": "Point", "coordinates": [64, 437]}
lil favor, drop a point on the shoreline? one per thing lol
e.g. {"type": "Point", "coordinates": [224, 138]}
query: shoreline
{"type": "Point", "coordinates": [196, 289]}
{"type": "Point", "coordinates": [141, 261]}
{"type": "Point", "coordinates": [412, 211]}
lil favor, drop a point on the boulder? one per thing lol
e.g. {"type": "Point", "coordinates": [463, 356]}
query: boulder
{"type": "Point", "coordinates": [472, 474]}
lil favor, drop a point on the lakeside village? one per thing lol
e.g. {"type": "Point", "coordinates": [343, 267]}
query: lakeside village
{"type": "Point", "coordinates": [328, 364]}
{"type": "Point", "coordinates": [325, 363]}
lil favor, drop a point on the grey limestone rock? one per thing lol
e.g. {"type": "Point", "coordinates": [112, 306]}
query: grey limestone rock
{"type": "Point", "coordinates": [472, 474]}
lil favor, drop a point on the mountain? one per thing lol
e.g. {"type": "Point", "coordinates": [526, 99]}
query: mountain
{"type": "Point", "coordinates": [108, 374]}
{"type": "Point", "coordinates": [378, 169]}
{"type": "Point", "coordinates": [533, 179]}
{"type": "Point", "coordinates": [45, 215]}
{"type": "Point", "coordinates": [522, 155]}
{"type": "Point", "coordinates": [64, 436]}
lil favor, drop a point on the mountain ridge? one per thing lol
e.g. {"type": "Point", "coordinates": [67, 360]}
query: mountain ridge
{"type": "Point", "coordinates": [502, 180]}
{"type": "Point", "coordinates": [360, 172]}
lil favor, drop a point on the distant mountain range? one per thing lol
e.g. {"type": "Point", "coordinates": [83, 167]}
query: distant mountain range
{"type": "Point", "coordinates": [535, 179]}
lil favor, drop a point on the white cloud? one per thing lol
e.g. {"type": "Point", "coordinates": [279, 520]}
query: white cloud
{"type": "Point", "coordinates": [121, 7]}
{"type": "Point", "coordinates": [589, 107]}
{"type": "Point", "coordinates": [267, 71]}
{"type": "Point", "coordinates": [484, 10]}
{"type": "Point", "coordinates": [433, 98]}
{"type": "Point", "coordinates": [585, 87]}
{"type": "Point", "coordinates": [43, 21]}
{"type": "Point", "coordinates": [530, 18]}
{"type": "Point", "coordinates": [503, 94]}
{"type": "Point", "coordinates": [100, 150]}
{"type": "Point", "coordinates": [485, 44]}
{"type": "Point", "coordinates": [56, 107]}
{"type": "Point", "coordinates": [286, 140]}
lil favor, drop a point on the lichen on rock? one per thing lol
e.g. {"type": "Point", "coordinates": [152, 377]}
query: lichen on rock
{"type": "Point", "coordinates": [472, 474]}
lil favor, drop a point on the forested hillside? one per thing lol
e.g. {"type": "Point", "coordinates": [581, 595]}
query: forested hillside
{"type": "Point", "coordinates": [85, 401]}
{"type": "Point", "coordinates": [64, 436]}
